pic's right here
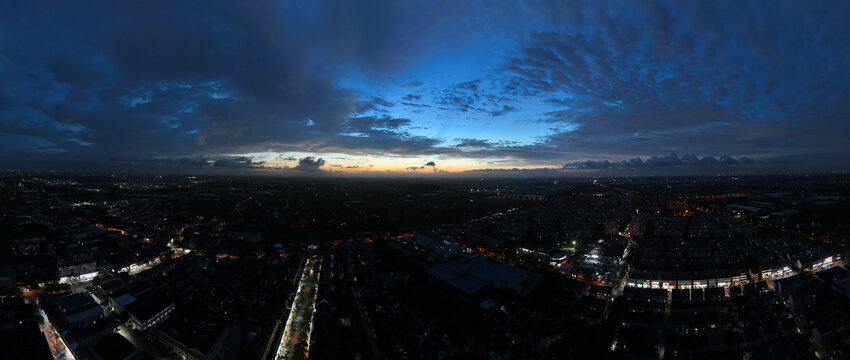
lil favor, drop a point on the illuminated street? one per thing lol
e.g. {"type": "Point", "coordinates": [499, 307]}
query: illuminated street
{"type": "Point", "coordinates": [295, 341]}
{"type": "Point", "coordinates": [57, 346]}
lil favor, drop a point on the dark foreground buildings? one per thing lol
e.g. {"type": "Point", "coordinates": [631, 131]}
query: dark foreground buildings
{"type": "Point", "coordinates": [135, 267]}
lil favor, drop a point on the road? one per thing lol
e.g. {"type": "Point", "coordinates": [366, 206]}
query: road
{"type": "Point", "coordinates": [299, 324]}
{"type": "Point", "coordinates": [57, 346]}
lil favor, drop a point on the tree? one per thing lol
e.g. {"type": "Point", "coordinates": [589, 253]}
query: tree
{"type": "Point", "coordinates": [299, 351]}
{"type": "Point", "coordinates": [30, 281]}
{"type": "Point", "coordinates": [56, 288]}
{"type": "Point", "coordinates": [103, 279]}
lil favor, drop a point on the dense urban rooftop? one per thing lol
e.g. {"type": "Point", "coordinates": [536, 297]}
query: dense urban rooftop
{"type": "Point", "coordinates": [105, 266]}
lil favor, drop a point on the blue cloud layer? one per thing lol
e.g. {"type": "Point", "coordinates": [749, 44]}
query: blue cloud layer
{"type": "Point", "coordinates": [89, 85]}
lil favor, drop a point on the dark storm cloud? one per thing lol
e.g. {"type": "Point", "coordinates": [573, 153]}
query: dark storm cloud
{"type": "Point", "coordinates": [188, 162]}
{"type": "Point", "coordinates": [477, 143]}
{"type": "Point", "coordinates": [431, 164]}
{"type": "Point", "coordinates": [377, 135]}
{"type": "Point", "coordinates": [194, 163]}
{"type": "Point", "coordinates": [664, 164]}
{"type": "Point", "coordinates": [515, 172]}
{"type": "Point", "coordinates": [382, 37]}
{"type": "Point", "coordinates": [240, 162]}
{"type": "Point", "coordinates": [168, 78]}
{"type": "Point", "coordinates": [309, 164]}
{"type": "Point", "coordinates": [165, 78]}
{"type": "Point", "coordinates": [667, 161]}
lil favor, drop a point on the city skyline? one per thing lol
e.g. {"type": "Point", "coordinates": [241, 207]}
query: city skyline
{"type": "Point", "coordinates": [426, 89]}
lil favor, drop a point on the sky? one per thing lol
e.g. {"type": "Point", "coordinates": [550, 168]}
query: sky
{"type": "Point", "coordinates": [425, 88]}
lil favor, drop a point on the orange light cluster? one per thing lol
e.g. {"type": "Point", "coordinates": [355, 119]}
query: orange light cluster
{"type": "Point", "coordinates": [109, 228]}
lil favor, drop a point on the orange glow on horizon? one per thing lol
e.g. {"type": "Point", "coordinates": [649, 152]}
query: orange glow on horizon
{"type": "Point", "coordinates": [390, 170]}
